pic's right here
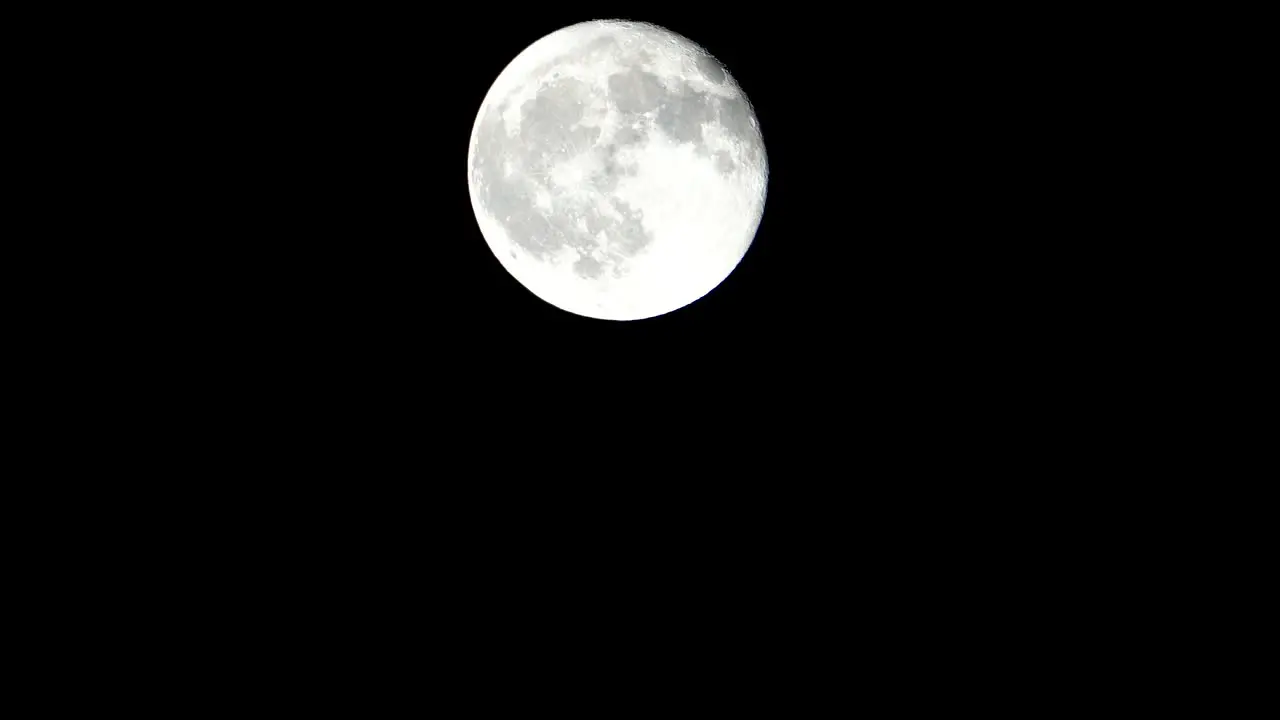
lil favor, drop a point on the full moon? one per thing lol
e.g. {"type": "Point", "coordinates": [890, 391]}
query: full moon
{"type": "Point", "coordinates": [617, 171]}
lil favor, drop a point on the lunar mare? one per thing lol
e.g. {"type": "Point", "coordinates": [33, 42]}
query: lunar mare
{"type": "Point", "coordinates": [617, 170]}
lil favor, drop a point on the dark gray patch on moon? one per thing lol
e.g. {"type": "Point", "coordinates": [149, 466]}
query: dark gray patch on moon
{"type": "Point", "coordinates": [629, 136]}
{"type": "Point", "coordinates": [636, 91]}
{"type": "Point", "coordinates": [724, 163]}
{"type": "Point", "coordinates": [588, 267]}
{"type": "Point", "coordinates": [735, 115]}
{"type": "Point", "coordinates": [549, 125]}
{"type": "Point", "coordinates": [678, 111]}
{"type": "Point", "coordinates": [607, 45]}
{"type": "Point", "coordinates": [612, 168]}
{"type": "Point", "coordinates": [710, 69]}
{"type": "Point", "coordinates": [628, 236]}
{"type": "Point", "coordinates": [738, 119]}
{"type": "Point", "coordinates": [510, 174]}
{"type": "Point", "coordinates": [683, 113]}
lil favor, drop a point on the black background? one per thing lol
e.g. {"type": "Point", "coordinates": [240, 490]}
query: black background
{"type": "Point", "coordinates": [299, 367]}
{"type": "Point", "coordinates": [303, 268]}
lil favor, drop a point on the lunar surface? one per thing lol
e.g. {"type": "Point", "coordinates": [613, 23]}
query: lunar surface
{"type": "Point", "coordinates": [617, 170]}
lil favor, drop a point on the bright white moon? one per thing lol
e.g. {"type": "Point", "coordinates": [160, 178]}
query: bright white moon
{"type": "Point", "coordinates": [617, 170]}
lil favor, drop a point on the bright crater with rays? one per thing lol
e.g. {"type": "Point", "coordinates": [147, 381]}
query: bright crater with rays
{"type": "Point", "coordinates": [617, 170]}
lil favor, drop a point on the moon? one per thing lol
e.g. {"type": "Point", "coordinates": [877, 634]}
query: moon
{"type": "Point", "coordinates": [617, 170]}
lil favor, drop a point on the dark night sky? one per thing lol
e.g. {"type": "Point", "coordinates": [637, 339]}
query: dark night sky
{"type": "Point", "coordinates": [290, 293]}
{"type": "Point", "coordinates": [311, 175]}
{"type": "Point", "coordinates": [289, 372]}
